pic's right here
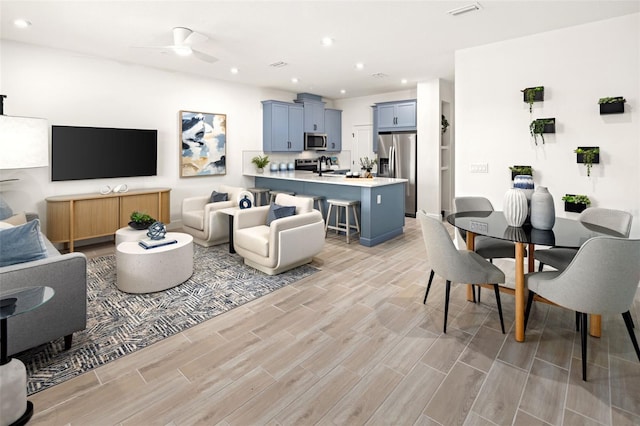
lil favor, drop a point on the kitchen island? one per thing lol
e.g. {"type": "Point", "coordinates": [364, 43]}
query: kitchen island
{"type": "Point", "coordinates": [381, 199]}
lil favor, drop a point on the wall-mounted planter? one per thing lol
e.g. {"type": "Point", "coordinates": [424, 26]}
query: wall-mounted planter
{"type": "Point", "coordinates": [580, 157]}
{"type": "Point", "coordinates": [536, 92]}
{"type": "Point", "coordinates": [614, 105]}
{"type": "Point", "coordinates": [549, 125]}
{"type": "Point", "coordinates": [520, 170]}
{"type": "Point", "coordinates": [539, 126]}
{"type": "Point", "coordinates": [571, 205]}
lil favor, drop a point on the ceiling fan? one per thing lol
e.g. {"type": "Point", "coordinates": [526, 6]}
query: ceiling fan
{"type": "Point", "coordinates": [183, 41]}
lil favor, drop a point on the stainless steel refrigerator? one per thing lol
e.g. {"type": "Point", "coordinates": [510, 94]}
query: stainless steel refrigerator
{"type": "Point", "coordinates": [397, 159]}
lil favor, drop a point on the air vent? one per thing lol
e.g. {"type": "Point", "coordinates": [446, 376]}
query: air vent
{"type": "Point", "coordinates": [379, 75]}
{"type": "Point", "coordinates": [278, 64]}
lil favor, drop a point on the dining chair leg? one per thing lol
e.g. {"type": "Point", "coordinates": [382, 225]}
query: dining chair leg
{"type": "Point", "coordinates": [629, 323]}
{"type": "Point", "coordinates": [583, 340]}
{"type": "Point", "coordinates": [497, 291]}
{"type": "Point", "coordinates": [446, 305]}
{"type": "Point", "coordinates": [577, 321]}
{"type": "Point", "coordinates": [528, 308]}
{"type": "Point", "coordinates": [479, 288]}
{"type": "Point", "coordinates": [540, 266]}
{"type": "Point", "coordinates": [473, 292]}
{"type": "Point", "coordinates": [428, 286]}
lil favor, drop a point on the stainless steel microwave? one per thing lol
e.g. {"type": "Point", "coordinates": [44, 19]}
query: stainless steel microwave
{"type": "Point", "coordinates": [315, 141]}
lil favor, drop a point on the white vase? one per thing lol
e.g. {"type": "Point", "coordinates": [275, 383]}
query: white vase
{"type": "Point", "coordinates": [515, 207]}
{"type": "Point", "coordinates": [524, 182]}
{"type": "Point", "coordinates": [543, 212]}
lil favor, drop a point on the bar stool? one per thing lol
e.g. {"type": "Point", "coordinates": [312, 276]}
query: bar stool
{"type": "Point", "coordinates": [345, 226]}
{"type": "Point", "coordinates": [258, 193]}
{"type": "Point", "coordinates": [275, 192]}
{"type": "Point", "coordinates": [318, 201]}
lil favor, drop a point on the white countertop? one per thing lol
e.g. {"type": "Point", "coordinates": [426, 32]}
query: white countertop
{"type": "Point", "coordinates": [306, 176]}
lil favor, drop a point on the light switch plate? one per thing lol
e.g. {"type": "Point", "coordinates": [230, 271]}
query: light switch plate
{"type": "Point", "coordinates": [479, 168]}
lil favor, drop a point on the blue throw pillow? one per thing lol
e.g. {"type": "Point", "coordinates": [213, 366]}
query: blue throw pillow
{"type": "Point", "coordinates": [276, 212]}
{"type": "Point", "coordinates": [21, 244]}
{"type": "Point", "coordinates": [5, 209]}
{"type": "Point", "coordinates": [218, 196]}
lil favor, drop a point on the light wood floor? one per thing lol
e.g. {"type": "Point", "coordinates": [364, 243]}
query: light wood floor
{"type": "Point", "coordinates": [353, 344]}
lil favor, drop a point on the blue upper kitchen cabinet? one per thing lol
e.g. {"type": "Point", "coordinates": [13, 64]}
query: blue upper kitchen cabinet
{"type": "Point", "coordinates": [333, 128]}
{"type": "Point", "coordinates": [282, 127]}
{"type": "Point", "coordinates": [400, 115]}
{"type": "Point", "coordinates": [314, 117]}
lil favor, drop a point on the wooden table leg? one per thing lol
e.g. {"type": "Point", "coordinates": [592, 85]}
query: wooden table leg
{"type": "Point", "coordinates": [520, 303]}
{"type": "Point", "coordinates": [595, 327]}
{"type": "Point", "coordinates": [471, 246]}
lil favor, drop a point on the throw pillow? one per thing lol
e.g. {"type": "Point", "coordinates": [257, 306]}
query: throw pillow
{"type": "Point", "coordinates": [218, 196]}
{"type": "Point", "coordinates": [21, 244]}
{"type": "Point", "coordinates": [5, 209]}
{"type": "Point", "coordinates": [277, 212]}
{"type": "Point", "coordinates": [16, 219]}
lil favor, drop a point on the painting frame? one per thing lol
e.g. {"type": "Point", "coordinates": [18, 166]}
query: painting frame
{"type": "Point", "coordinates": [203, 143]}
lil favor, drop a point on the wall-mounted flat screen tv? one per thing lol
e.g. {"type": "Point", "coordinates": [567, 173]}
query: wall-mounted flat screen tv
{"type": "Point", "coordinates": [98, 152]}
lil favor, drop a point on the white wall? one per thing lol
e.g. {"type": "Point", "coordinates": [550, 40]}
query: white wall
{"type": "Point", "coordinates": [576, 66]}
{"type": "Point", "coordinates": [69, 89]}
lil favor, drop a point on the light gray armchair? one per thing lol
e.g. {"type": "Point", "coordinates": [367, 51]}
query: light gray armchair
{"type": "Point", "coordinates": [201, 219]}
{"type": "Point", "coordinates": [601, 279]}
{"type": "Point", "coordinates": [461, 266]}
{"type": "Point", "coordinates": [616, 220]}
{"type": "Point", "coordinates": [284, 244]}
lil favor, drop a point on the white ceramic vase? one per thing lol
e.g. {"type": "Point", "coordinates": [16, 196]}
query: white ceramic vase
{"type": "Point", "coordinates": [543, 212]}
{"type": "Point", "coordinates": [524, 182]}
{"type": "Point", "coordinates": [515, 207]}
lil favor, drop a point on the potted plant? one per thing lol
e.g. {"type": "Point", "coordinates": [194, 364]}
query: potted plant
{"type": "Point", "coordinates": [444, 123]}
{"type": "Point", "coordinates": [520, 170]}
{"type": "Point", "coordinates": [612, 105]}
{"type": "Point", "coordinates": [140, 220]}
{"type": "Point", "coordinates": [575, 203]}
{"type": "Point", "coordinates": [367, 165]}
{"type": "Point", "coordinates": [539, 126]}
{"type": "Point", "coordinates": [261, 162]}
{"type": "Point", "coordinates": [589, 155]}
{"type": "Point", "coordinates": [533, 94]}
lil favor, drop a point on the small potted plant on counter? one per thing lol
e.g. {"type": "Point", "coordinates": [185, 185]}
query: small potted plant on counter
{"type": "Point", "coordinates": [367, 165]}
{"type": "Point", "coordinates": [260, 162]}
{"type": "Point", "coordinates": [612, 105]}
{"type": "Point", "coordinates": [140, 220]}
{"type": "Point", "coordinates": [575, 203]}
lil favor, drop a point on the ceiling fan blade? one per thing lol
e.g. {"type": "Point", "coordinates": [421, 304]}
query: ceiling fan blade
{"type": "Point", "coordinates": [195, 38]}
{"type": "Point", "coordinates": [204, 56]}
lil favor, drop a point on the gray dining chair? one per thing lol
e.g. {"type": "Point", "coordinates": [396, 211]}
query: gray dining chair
{"type": "Point", "coordinates": [616, 220]}
{"type": "Point", "coordinates": [487, 247]}
{"type": "Point", "coordinates": [601, 279]}
{"type": "Point", "coordinates": [460, 266]}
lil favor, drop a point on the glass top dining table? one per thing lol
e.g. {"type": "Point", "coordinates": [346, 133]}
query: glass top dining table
{"type": "Point", "coordinates": [566, 233]}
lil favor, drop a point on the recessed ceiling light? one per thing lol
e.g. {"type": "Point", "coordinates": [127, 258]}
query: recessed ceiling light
{"type": "Point", "coordinates": [327, 41]}
{"type": "Point", "coordinates": [294, 80]}
{"type": "Point", "coordinates": [359, 65]}
{"type": "Point", "coordinates": [22, 23]}
{"type": "Point", "coordinates": [342, 91]}
{"type": "Point", "coordinates": [403, 81]}
{"type": "Point", "coordinates": [234, 70]}
{"type": "Point", "coordinates": [464, 9]}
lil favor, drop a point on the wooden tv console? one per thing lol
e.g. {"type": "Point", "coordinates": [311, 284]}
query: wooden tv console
{"type": "Point", "coordinates": [83, 216]}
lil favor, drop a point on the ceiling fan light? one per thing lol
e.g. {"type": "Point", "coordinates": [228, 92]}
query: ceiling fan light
{"type": "Point", "coordinates": [183, 50]}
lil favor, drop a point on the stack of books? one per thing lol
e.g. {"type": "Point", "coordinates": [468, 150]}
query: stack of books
{"type": "Point", "coordinates": [149, 243]}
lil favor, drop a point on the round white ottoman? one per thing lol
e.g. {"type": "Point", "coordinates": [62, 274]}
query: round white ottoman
{"type": "Point", "coordinates": [142, 270]}
{"type": "Point", "coordinates": [129, 234]}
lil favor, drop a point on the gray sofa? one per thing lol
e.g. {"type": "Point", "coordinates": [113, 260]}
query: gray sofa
{"type": "Point", "coordinates": [61, 316]}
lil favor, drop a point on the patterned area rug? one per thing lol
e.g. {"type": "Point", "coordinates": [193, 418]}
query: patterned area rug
{"type": "Point", "coordinates": [119, 323]}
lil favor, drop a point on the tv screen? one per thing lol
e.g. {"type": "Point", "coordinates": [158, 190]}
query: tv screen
{"type": "Point", "coordinates": [96, 152]}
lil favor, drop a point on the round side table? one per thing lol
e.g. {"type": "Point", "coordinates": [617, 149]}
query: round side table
{"type": "Point", "coordinates": [14, 406]}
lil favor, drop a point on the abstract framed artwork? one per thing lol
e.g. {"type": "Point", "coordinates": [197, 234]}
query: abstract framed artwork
{"type": "Point", "coordinates": [203, 137]}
